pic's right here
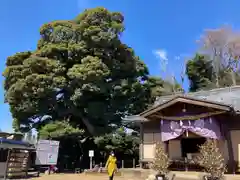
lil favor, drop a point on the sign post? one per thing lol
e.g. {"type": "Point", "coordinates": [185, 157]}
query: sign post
{"type": "Point", "coordinates": [47, 152]}
{"type": "Point", "coordinates": [91, 154]}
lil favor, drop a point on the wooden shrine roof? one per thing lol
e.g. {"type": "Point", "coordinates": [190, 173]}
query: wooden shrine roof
{"type": "Point", "coordinates": [188, 100]}
{"type": "Point", "coordinates": [229, 96]}
{"type": "Point", "coordinates": [227, 99]}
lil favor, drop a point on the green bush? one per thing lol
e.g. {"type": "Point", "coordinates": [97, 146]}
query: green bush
{"type": "Point", "coordinates": [211, 160]}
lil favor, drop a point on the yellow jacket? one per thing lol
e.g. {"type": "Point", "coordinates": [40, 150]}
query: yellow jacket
{"type": "Point", "coordinates": [111, 165]}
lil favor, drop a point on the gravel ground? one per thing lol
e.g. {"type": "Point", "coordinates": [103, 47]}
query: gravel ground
{"type": "Point", "coordinates": [81, 177]}
{"type": "Point", "coordinates": [124, 176]}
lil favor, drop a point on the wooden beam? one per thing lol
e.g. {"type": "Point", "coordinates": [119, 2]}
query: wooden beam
{"type": "Point", "coordinates": [188, 117]}
{"type": "Point", "coordinates": [205, 104]}
{"type": "Point", "coordinates": [163, 106]}
{"type": "Point", "coordinates": [185, 100]}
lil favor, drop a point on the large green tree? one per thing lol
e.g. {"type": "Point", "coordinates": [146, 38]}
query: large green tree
{"type": "Point", "coordinates": [81, 73]}
{"type": "Point", "coordinates": [161, 87]}
{"type": "Point", "coordinates": [124, 144]}
{"type": "Point", "coordinates": [200, 73]}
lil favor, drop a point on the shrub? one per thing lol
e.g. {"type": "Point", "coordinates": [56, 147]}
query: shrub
{"type": "Point", "coordinates": [161, 161]}
{"type": "Point", "coordinates": [211, 160]}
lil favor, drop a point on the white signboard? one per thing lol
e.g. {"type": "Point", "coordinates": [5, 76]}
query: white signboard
{"type": "Point", "coordinates": [91, 153]}
{"type": "Point", "coordinates": [47, 152]}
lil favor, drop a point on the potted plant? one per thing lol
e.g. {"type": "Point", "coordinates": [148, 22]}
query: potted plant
{"type": "Point", "coordinates": [161, 162]}
{"type": "Point", "coordinates": [211, 160]}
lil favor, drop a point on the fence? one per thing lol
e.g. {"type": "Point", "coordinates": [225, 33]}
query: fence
{"type": "Point", "coordinates": [133, 163]}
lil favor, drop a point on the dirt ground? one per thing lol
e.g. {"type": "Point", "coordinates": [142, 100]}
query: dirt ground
{"type": "Point", "coordinates": [125, 176]}
{"type": "Point", "coordinates": [83, 177]}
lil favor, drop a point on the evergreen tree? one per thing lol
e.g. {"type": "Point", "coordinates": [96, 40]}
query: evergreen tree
{"type": "Point", "coordinates": [212, 160]}
{"type": "Point", "coordinates": [161, 161]}
{"type": "Point", "coordinates": [200, 73]}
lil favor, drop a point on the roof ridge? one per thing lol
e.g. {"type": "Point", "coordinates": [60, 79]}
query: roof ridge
{"type": "Point", "coordinates": [230, 88]}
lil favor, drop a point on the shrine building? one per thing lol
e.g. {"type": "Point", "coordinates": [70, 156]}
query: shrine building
{"type": "Point", "coordinates": [184, 121]}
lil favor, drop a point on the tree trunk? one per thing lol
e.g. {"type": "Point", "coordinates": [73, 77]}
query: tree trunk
{"type": "Point", "coordinates": [233, 77]}
{"type": "Point", "coordinates": [89, 126]}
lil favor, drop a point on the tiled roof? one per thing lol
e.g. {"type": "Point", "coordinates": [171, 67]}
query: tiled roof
{"type": "Point", "coordinates": [228, 96]}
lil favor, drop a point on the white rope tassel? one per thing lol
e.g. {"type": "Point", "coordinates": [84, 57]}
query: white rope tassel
{"type": "Point", "coordinates": [210, 120]}
{"type": "Point", "coordinates": [181, 123]}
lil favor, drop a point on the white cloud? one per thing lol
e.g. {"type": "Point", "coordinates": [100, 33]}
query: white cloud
{"type": "Point", "coordinates": [161, 54]}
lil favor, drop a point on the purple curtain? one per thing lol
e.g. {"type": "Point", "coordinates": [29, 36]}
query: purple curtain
{"type": "Point", "coordinates": [207, 127]}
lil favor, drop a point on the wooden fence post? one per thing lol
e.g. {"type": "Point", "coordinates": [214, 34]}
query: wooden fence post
{"type": "Point", "coordinates": [122, 163]}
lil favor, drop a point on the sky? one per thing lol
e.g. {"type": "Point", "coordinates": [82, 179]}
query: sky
{"type": "Point", "coordinates": [162, 32]}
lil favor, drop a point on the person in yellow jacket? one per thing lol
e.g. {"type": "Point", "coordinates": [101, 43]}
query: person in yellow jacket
{"type": "Point", "coordinates": [111, 165]}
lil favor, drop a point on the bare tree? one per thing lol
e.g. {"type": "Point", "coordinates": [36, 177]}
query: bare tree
{"type": "Point", "coordinates": [183, 70]}
{"type": "Point", "coordinates": [223, 46]}
{"type": "Point", "coordinates": [234, 55]}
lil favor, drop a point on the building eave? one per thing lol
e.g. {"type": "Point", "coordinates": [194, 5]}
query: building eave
{"type": "Point", "coordinates": [189, 100]}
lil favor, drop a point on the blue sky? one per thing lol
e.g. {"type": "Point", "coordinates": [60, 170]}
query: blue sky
{"type": "Point", "coordinates": [158, 30]}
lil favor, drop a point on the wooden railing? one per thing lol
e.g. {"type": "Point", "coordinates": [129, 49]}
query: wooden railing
{"type": "Point", "coordinates": [185, 164]}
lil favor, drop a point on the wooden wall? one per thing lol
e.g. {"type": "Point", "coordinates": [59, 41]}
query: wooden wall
{"type": "Point", "coordinates": [230, 125]}
{"type": "Point", "coordinates": [151, 134]}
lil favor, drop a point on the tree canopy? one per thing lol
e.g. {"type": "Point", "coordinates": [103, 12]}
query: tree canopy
{"type": "Point", "coordinates": [217, 62]}
{"type": "Point", "coordinates": [121, 142]}
{"type": "Point", "coordinates": [81, 73]}
{"type": "Point", "coordinates": [161, 87]}
{"type": "Point", "coordinates": [200, 73]}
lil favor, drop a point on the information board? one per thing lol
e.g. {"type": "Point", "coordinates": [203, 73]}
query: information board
{"type": "Point", "coordinates": [47, 152]}
{"type": "Point", "coordinates": [91, 153]}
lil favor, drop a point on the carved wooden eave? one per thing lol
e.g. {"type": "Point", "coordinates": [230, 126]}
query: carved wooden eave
{"type": "Point", "coordinates": [134, 119]}
{"type": "Point", "coordinates": [221, 99]}
{"type": "Point", "coordinates": [155, 112]}
{"type": "Point", "coordinates": [219, 107]}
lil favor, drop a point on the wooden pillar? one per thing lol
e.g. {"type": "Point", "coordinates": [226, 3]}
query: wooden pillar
{"type": "Point", "coordinates": [122, 164]}
{"type": "Point", "coordinates": [7, 162]}
{"type": "Point", "coordinates": [232, 164]}
{"type": "Point", "coordinates": [227, 137]}
{"type": "Point", "coordinates": [167, 147]}
{"type": "Point", "coordinates": [141, 149]}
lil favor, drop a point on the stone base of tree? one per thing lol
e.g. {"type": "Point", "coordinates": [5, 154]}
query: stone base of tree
{"type": "Point", "coordinates": [161, 177]}
{"type": "Point", "coordinates": [206, 177]}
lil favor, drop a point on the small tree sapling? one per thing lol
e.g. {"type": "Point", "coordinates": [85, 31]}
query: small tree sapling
{"type": "Point", "coordinates": [211, 160]}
